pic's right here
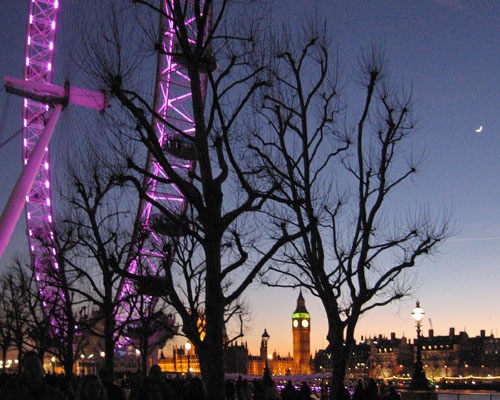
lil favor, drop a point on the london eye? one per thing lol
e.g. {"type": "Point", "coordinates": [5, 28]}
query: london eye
{"type": "Point", "coordinates": [43, 102]}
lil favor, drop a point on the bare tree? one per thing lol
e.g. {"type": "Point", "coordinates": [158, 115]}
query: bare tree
{"type": "Point", "coordinates": [94, 234]}
{"type": "Point", "coordinates": [6, 334]}
{"type": "Point", "coordinates": [223, 190]}
{"type": "Point", "coordinates": [151, 327]}
{"type": "Point", "coordinates": [32, 323]}
{"type": "Point", "coordinates": [17, 309]}
{"type": "Point", "coordinates": [356, 248]}
{"type": "Point", "coordinates": [36, 321]}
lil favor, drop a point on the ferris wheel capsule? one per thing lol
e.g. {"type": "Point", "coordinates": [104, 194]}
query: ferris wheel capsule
{"type": "Point", "coordinates": [180, 146]}
{"type": "Point", "coordinates": [166, 226]}
{"type": "Point", "coordinates": [206, 64]}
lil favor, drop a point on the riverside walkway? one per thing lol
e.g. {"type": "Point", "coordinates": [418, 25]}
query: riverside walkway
{"type": "Point", "coordinates": [451, 395]}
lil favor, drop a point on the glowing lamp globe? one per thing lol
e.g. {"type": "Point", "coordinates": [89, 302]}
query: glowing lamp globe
{"type": "Point", "coordinates": [418, 313]}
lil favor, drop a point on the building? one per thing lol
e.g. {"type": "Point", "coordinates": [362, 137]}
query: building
{"type": "Point", "coordinates": [239, 361]}
{"type": "Point", "coordinates": [301, 328]}
{"type": "Point", "coordinates": [446, 358]}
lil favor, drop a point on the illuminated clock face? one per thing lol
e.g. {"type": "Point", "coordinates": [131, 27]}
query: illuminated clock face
{"type": "Point", "coordinates": [305, 323]}
{"type": "Point", "coordinates": [295, 323]}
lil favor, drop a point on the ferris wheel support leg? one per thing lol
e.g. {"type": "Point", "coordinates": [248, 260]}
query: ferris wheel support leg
{"type": "Point", "coordinates": [17, 199]}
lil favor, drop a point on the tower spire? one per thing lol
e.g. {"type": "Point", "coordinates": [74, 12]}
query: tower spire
{"type": "Point", "coordinates": [301, 304]}
{"type": "Point", "coordinates": [301, 330]}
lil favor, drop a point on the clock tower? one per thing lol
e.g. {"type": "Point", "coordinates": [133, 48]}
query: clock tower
{"type": "Point", "coordinates": [301, 329]}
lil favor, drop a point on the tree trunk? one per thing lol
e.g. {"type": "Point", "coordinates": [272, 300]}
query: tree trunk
{"type": "Point", "coordinates": [341, 351]}
{"type": "Point", "coordinates": [68, 356]}
{"type": "Point", "coordinates": [212, 368]}
{"type": "Point", "coordinates": [212, 359]}
{"type": "Point", "coordinates": [338, 376]}
{"type": "Point", "coordinates": [4, 357]}
{"type": "Point", "coordinates": [109, 342]}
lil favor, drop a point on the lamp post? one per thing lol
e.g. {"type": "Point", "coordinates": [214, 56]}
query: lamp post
{"type": "Point", "coordinates": [188, 350]}
{"type": "Point", "coordinates": [265, 338]}
{"type": "Point", "coordinates": [418, 379]}
{"type": "Point", "coordinates": [266, 379]}
{"type": "Point", "coordinates": [138, 359]}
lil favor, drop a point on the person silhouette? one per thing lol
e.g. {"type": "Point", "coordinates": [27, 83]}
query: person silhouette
{"type": "Point", "coordinates": [113, 391]}
{"type": "Point", "coordinates": [92, 389]}
{"type": "Point", "coordinates": [32, 383]}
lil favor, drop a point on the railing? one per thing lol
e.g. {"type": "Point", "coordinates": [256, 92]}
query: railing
{"type": "Point", "coordinates": [468, 396]}
{"type": "Point", "coordinates": [451, 395]}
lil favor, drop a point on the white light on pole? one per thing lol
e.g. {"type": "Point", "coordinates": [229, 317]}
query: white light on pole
{"type": "Point", "coordinates": [418, 380]}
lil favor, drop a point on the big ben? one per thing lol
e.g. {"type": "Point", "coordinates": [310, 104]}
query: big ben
{"type": "Point", "coordinates": [301, 328]}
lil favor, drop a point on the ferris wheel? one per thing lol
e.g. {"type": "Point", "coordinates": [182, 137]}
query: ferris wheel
{"type": "Point", "coordinates": [173, 103]}
{"type": "Point", "coordinates": [42, 105]}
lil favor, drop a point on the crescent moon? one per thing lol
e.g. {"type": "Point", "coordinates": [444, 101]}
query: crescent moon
{"type": "Point", "coordinates": [478, 130]}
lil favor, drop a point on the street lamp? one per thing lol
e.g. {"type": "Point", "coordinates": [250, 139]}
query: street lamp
{"type": "Point", "coordinates": [266, 379]}
{"type": "Point", "coordinates": [418, 379]}
{"type": "Point", "coordinates": [187, 346]}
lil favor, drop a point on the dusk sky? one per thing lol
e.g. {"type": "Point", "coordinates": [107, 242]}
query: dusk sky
{"type": "Point", "coordinates": [449, 52]}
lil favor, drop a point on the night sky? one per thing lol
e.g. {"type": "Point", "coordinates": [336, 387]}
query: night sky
{"type": "Point", "coordinates": [448, 52]}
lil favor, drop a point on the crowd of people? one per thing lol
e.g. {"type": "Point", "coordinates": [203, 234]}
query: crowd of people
{"type": "Point", "coordinates": [262, 390]}
{"type": "Point", "coordinates": [32, 384]}
{"type": "Point", "coordinates": [371, 391]}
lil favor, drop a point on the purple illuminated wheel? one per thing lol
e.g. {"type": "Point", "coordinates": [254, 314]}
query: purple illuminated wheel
{"type": "Point", "coordinates": [39, 55]}
{"type": "Point", "coordinates": [172, 103]}
{"type": "Point", "coordinates": [42, 106]}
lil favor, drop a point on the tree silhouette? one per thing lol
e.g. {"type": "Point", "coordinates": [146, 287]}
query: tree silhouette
{"type": "Point", "coordinates": [336, 184]}
{"type": "Point", "coordinates": [224, 193]}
